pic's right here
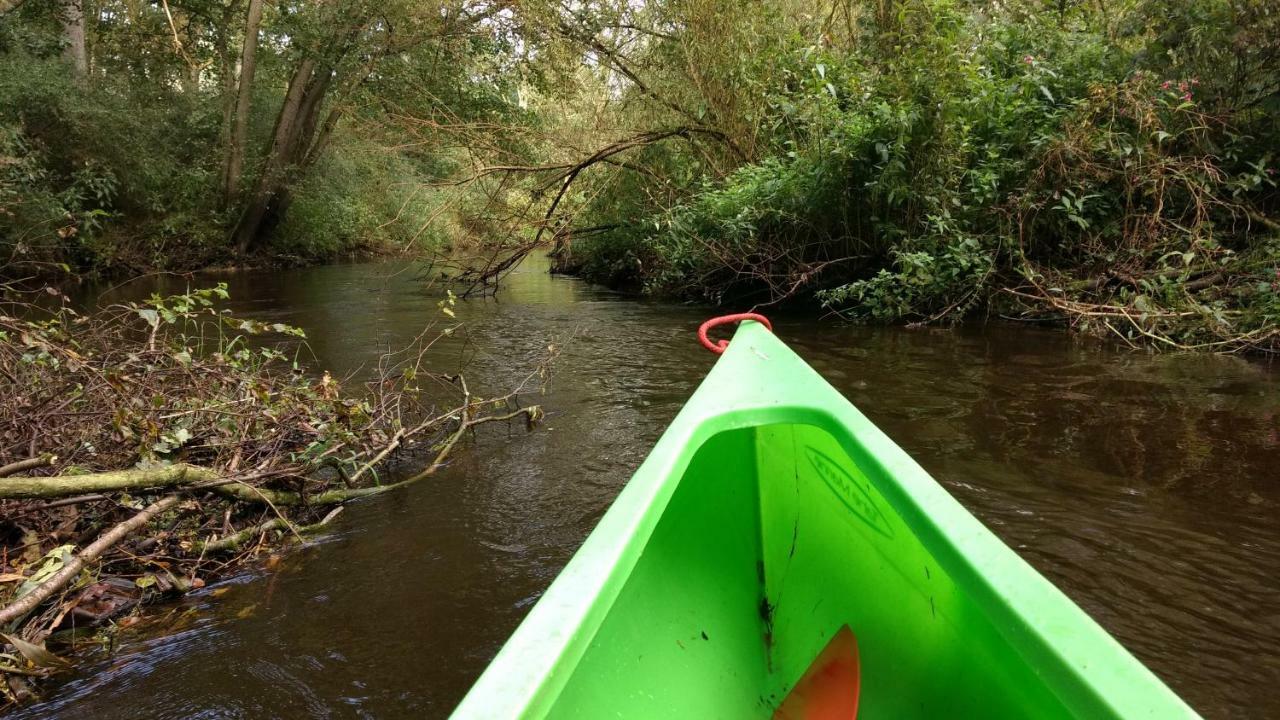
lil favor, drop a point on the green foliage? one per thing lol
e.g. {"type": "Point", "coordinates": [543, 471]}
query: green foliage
{"type": "Point", "coordinates": [122, 169]}
{"type": "Point", "coordinates": [78, 161]}
{"type": "Point", "coordinates": [929, 158]}
{"type": "Point", "coordinates": [920, 284]}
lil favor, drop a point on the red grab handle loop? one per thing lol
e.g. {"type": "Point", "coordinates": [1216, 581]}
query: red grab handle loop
{"type": "Point", "coordinates": [719, 347]}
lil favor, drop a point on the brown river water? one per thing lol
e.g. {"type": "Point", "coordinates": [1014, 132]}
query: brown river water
{"type": "Point", "coordinates": [1146, 486]}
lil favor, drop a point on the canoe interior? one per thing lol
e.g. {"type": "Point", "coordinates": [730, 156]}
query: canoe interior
{"type": "Point", "coordinates": [775, 538]}
{"type": "Point", "coordinates": [770, 516]}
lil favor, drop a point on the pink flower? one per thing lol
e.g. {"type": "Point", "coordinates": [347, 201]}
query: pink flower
{"type": "Point", "coordinates": [1187, 97]}
{"type": "Point", "coordinates": [1165, 85]}
{"type": "Point", "coordinates": [1271, 171]}
{"type": "Point", "coordinates": [1029, 59]}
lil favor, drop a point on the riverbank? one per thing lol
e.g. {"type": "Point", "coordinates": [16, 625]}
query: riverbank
{"type": "Point", "coordinates": [149, 448]}
{"type": "Point", "coordinates": [931, 162]}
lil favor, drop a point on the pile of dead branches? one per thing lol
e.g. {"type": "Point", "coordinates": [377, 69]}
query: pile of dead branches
{"type": "Point", "coordinates": [145, 448]}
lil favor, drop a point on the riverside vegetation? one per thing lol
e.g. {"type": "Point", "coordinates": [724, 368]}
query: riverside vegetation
{"type": "Point", "coordinates": [164, 442]}
{"type": "Point", "coordinates": [1108, 166]}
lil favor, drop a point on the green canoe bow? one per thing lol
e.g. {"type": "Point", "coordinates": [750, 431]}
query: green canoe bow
{"type": "Point", "coordinates": [770, 515]}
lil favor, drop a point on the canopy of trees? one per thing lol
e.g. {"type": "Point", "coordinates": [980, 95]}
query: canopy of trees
{"type": "Point", "coordinates": [1111, 162]}
{"type": "Point", "coordinates": [138, 134]}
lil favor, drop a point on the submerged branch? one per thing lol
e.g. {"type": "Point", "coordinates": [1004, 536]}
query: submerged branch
{"type": "Point", "coordinates": [135, 402]}
{"type": "Point", "coordinates": [72, 568]}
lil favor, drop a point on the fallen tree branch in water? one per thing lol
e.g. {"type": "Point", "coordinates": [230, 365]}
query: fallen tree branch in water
{"type": "Point", "coordinates": [72, 568]}
{"type": "Point", "coordinates": [340, 495]}
{"type": "Point", "coordinates": [58, 486]}
{"type": "Point", "coordinates": [169, 476]}
{"type": "Point", "coordinates": [234, 541]}
{"type": "Point", "coordinates": [137, 402]}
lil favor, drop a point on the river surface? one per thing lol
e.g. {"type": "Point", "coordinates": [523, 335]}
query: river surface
{"type": "Point", "coordinates": [1145, 486]}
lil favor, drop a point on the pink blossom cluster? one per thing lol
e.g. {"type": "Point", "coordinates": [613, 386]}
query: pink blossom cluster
{"type": "Point", "coordinates": [1184, 87]}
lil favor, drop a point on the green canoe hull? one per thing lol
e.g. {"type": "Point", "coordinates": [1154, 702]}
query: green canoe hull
{"type": "Point", "coordinates": [771, 515]}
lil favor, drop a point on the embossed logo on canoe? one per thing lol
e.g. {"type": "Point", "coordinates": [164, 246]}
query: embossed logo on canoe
{"type": "Point", "coordinates": [849, 490]}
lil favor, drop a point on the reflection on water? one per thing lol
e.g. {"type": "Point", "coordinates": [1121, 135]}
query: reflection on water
{"type": "Point", "coordinates": [1145, 486]}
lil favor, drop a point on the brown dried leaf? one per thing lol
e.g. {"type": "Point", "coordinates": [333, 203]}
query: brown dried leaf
{"type": "Point", "coordinates": [35, 654]}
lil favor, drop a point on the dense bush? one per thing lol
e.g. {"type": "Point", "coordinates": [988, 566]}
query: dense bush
{"type": "Point", "coordinates": [104, 174]}
{"type": "Point", "coordinates": [948, 157]}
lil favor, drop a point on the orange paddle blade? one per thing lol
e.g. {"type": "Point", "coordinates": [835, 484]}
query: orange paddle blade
{"type": "Point", "coordinates": [829, 688]}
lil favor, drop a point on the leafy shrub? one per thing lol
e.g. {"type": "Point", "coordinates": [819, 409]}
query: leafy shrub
{"type": "Point", "coordinates": [78, 160]}
{"type": "Point", "coordinates": [949, 153]}
{"type": "Point", "coordinates": [359, 198]}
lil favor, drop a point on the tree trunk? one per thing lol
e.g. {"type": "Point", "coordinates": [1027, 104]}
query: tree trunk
{"type": "Point", "coordinates": [73, 30]}
{"type": "Point", "coordinates": [305, 93]}
{"type": "Point", "coordinates": [305, 148]}
{"type": "Point", "coordinates": [226, 70]}
{"type": "Point", "coordinates": [292, 141]}
{"type": "Point", "coordinates": [244, 98]}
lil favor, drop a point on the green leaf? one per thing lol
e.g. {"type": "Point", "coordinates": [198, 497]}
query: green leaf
{"type": "Point", "coordinates": [151, 316]}
{"type": "Point", "coordinates": [46, 567]}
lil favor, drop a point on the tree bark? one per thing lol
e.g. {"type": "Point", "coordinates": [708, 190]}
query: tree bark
{"type": "Point", "coordinates": [244, 99]}
{"type": "Point", "coordinates": [227, 72]}
{"type": "Point", "coordinates": [295, 130]}
{"type": "Point", "coordinates": [303, 91]}
{"type": "Point", "coordinates": [45, 590]}
{"type": "Point", "coordinates": [133, 479]}
{"type": "Point", "coordinates": [235, 540]}
{"type": "Point", "coordinates": [73, 30]}
{"type": "Point", "coordinates": [304, 149]}
{"type": "Point", "coordinates": [14, 468]}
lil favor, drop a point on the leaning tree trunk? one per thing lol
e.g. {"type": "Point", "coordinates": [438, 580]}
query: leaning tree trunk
{"type": "Point", "coordinates": [282, 153]}
{"type": "Point", "coordinates": [240, 133]}
{"type": "Point", "coordinates": [293, 146]}
{"type": "Point", "coordinates": [73, 30]}
{"type": "Point", "coordinates": [305, 148]}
